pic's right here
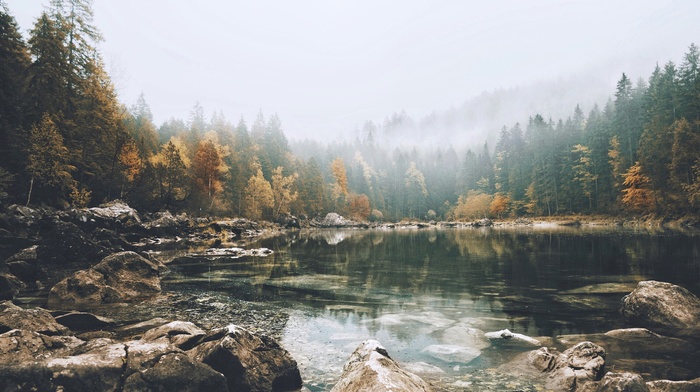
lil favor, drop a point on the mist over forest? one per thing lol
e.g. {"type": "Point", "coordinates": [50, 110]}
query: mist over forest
{"type": "Point", "coordinates": [574, 145]}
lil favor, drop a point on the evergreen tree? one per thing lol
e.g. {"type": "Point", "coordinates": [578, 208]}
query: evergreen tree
{"type": "Point", "coordinates": [47, 165]}
{"type": "Point", "coordinates": [14, 65]}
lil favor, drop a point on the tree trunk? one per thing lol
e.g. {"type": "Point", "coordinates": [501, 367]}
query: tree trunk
{"type": "Point", "coordinates": [29, 195]}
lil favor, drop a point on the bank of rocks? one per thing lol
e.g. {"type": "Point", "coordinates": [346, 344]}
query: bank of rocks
{"type": "Point", "coordinates": [43, 355]}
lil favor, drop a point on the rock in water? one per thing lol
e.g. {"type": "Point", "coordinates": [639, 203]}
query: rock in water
{"type": "Point", "coordinates": [370, 369]}
{"type": "Point", "coordinates": [664, 308]}
{"type": "Point", "coordinates": [567, 371]}
{"type": "Point", "coordinates": [249, 362]}
{"type": "Point", "coordinates": [121, 277]}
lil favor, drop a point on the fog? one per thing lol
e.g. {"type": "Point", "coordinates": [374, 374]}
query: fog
{"type": "Point", "coordinates": [459, 70]}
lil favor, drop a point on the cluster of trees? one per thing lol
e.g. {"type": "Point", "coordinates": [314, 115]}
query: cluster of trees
{"type": "Point", "coordinates": [65, 139]}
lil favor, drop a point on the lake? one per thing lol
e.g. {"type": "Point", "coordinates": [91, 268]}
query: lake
{"type": "Point", "coordinates": [429, 294]}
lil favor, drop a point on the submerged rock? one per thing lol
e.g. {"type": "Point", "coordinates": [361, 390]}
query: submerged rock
{"type": "Point", "coordinates": [664, 308]}
{"type": "Point", "coordinates": [674, 386]}
{"type": "Point", "coordinates": [452, 353]}
{"type": "Point", "coordinates": [371, 369]}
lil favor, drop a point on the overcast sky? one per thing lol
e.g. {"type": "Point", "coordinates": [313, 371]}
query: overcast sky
{"type": "Point", "coordinates": [327, 66]}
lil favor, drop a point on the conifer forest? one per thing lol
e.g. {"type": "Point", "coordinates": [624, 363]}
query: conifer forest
{"type": "Point", "coordinates": [66, 140]}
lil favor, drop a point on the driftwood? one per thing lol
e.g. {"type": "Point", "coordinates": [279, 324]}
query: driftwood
{"type": "Point", "coordinates": [507, 335]}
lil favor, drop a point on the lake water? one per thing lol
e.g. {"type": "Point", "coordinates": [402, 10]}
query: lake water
{"type": "Point", "coordinates": [428, 294]}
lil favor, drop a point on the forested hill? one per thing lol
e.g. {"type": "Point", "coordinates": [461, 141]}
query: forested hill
{"type": "Point", "coordinates": [65, 139]}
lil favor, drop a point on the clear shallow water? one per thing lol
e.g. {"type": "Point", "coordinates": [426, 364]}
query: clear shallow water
{"type": "Point", "coordinates": [427, 295]}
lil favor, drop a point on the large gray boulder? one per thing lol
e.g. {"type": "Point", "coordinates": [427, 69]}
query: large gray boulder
{"type": "Point", "coordinates": [663, 308]}
{"type": "Point", "coordinates": [370, 369]}
{"type": "Point", "coordinates": [249, 362]}
{"type": "Point", "coordinates": [121, 277]}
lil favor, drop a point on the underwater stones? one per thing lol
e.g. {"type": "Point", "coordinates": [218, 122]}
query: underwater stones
{"type": "Point", "coordinates": [452, 353]}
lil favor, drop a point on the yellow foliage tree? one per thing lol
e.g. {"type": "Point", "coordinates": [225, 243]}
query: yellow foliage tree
{"type": "Point", "coordinates": [130, 162]}
{"type": "Point", "coordinates": [282, 189]}
{"type": "Point", "coordinates": [474, 205]}
{"type": "Point", "coordinates": [359, 207]}
{"type": "Point", "coordinates": [499, 205]}
{"type": "Point", "coordinates": [637, 195]}
{"type": "Point", "coordinates": [258, 193]}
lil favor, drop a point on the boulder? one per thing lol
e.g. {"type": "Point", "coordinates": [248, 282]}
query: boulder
{"type": "Point", "coordinates": [116, 210]}
{"type": "Point", "coordinates": [97, 370]}
{"type": "Point", "coordinates": [567, 371]}
{"type": "Point", "coordinates": [176, 372]}
{"type": "Point", "coordinates": [674, 386]}
{"type": "Point", "coordinates": [160, 366]}
{"type": "Point", "coordinates": [35, 320]}
{"type": "Point", "coordinates": [371, 369]}
{"type": "Point", "coordinates": [249, 362]}
{"type": "Point", "coordinates": [64, 242]}
{"type": "Point", "coordinates": [121, 277]}
{"type": "Point", "coordinates": [19, 347]}
{"type": "Point", "coordinates": [81, 321]}
{"type": "Point", "coordinates": [332, 220]}
{"type": "Point", "coordinates": [23, 264]}
{"type": "Point", "coordinates": [182, 334]}
{"type": "Point", "coordinates": [663, 308]}
{"type": "Point", "coordinates": [616, 382]}
{"type": "Point", "coordinates": [9, 286]}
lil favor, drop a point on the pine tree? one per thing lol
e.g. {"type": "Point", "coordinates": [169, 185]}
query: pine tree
{"type": "Point", "coordinates": [170, 170]}
{"type": "Point", "coordinates": [47, 160]}
{"type": "Point", "coordinates": [14, 65]}
{"type": "Point", "coordinates": [637, 195]}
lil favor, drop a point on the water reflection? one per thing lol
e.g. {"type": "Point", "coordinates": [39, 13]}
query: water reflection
{"type": "Point", "coordinates": [429, 294]}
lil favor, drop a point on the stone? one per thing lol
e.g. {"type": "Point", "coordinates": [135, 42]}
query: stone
{"type": "Point", "coordinates": [97, 370]}
{"type": "Point", "coordinates": [565, 371]}
{"type": "Point", "coordinates": [81, 321]}
{"type": "Point", "coordinates": [182, 334]}
{"type": "Point", "coordinates": [120, 277]}
{"type": "Point", "coordinates": [452, 353]}
{"type": "Point", "coordinates": [249, 362]}
{"type": "Point", "coordinates": [176, 372]}
{"type": "Point", "coordinates": [616, 382]}
{"type": "Point", "coordinates": [371, 369]}
{"type": "Point", "coordinates": [19, 346]}
{"type": "Point", "coordinates": [35, 320]}
{"type": "Point", "coordinates": [465, 336]}
{"type": "Point", "coordinates": [663, 308]}
{"type": "Point", "coordinates": [674, 386]}
{"type": "Point", "coordinates": [64, 242]}
{"type": "Point", "coordinates": [9, 286]}
{"type": "Point", "coordinates": [141, 327]}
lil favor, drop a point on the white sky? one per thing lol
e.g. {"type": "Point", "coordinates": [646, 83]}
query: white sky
{"type": "Point", "coordinates": [327, 66]}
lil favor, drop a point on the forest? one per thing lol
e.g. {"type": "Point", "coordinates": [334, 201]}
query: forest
{"type": "Point", "coordinates": [67, 141]}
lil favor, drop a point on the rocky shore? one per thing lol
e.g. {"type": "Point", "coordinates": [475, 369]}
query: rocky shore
{"type": "Point", "coordinates": [103, 258]}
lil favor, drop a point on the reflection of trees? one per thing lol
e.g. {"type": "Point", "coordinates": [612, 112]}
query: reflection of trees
{"type": "Point", "coordinates": [520, 271]}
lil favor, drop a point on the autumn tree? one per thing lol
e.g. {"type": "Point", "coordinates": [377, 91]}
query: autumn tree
{"type": "Point", "coordinates": [282, 190]}
{"type": "Point", "coordinates": [170, 167]}
{"type": "Point", "coordinates": [47, 159]}
{"type": "Point", "coordinates": [359, 207]}
{"type": "Point", "coordinates": [131, 165]}
{"type": "Point", "coordinates": [499, 205]}
{"type": "Point", "coordinates": [473, 205]}
{"type": "Point", "coordinates": [258, 195]}
{"type": "Point", "coordinates": [637, 196]}
{"type": "Point", "coordinates": [207, 170]}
